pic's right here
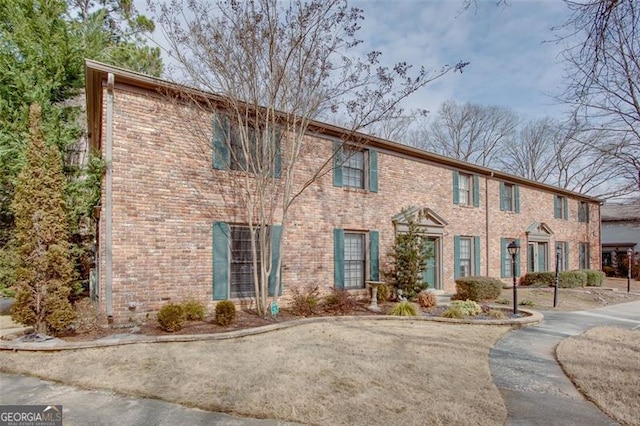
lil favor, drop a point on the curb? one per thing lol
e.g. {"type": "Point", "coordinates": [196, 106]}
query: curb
{"type": "Point", "coordinates": [534, 317]}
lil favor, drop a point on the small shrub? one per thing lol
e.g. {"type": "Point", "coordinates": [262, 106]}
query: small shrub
{"type": "Point", "coordinates": [496, 314]}
{"type": "Point", "coordinates": [478, 288]}
{"type": "Point", "coordinates": [383, 293]}
{"type": "Point", "coordinates": [609, 271]}
{"type": "Point", "coordinates": [594, 278]}
{"type": "Point", "coordinates": [539, 279]}
{"type": "Point", "coordinates": [339, 302]}
{"type": "Point", "coordinates": [572, 279]}
{"type": "Point", "coordinates": [305, 303]}
{"type": "Point", "coordinates": [193, 309]}
{"type": "Point", "coordinates": [225, 312]}
{"type": "Point", "coordinates": [171, 317]}
{"type": "Point", "coordinates": [526, 303]}
{"type": "Point", "coordinates": [503, 301]}
{"type": "Point", "coordinates": [454, 312]}
{"type": "Point", "coordinates": [427, 299]}
{"type": "Point", "coordinates": [469, 307]}
{"type": "Point", "coordinates": [404, 309]}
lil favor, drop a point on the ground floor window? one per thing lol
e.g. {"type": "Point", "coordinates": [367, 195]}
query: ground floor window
{"type": "Point", "coordinates": [562, 251]}
{"type": "Point", "coordinates": [583, 256]}
{"type": "Point", "coordinates": [354, 260]}
{"type": "Point", "coordinates": [507, 262]}
{"type": "Point", "coordinates": [241, 283]}
{"type": "Point", "coordinates": [466, 253]}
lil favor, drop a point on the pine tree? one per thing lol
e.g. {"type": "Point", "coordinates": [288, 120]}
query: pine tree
{"type": "Point", "coordinates": [45, 271]}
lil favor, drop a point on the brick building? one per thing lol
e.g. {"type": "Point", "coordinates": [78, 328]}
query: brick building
{"type": "Point", "coordinates": [170, 227]}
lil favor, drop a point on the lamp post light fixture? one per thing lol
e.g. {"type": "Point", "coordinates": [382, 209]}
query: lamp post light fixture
{"type": "Point", "coordinates": [512, 248]}
{"type": "Point", "coordinates": [555, 290]}
{"type": "Point", "coordinates": [630, 267]}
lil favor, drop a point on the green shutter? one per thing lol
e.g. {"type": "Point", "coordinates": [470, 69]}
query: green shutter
{"type": "Point", "coordinates": [516, 198]}
{"type": "Point", "coordinates": [456, 256]}
{"type": "Point", "coordinates": [373, 170]}
{"type": "Point", "coordinates": [277, 167]}
{"type": "Point", "coordinates": [476, 191]}
{"type": "Point", "coordinates": [565, 209]}
{"type": "Point", "coordinates": [518, 257]}
{"type": "Point", "coordinates": [476, 255]}
{"type": "Point", "coordinates": [221, 156]}
{"type": "Point", "coordinates": [502, 196]}
{"type": "Point", "coordinates": [566, 255]}
{"type": "Point", "coordinates": [338, 258]}
{"type": "Point", "coordinates": [374, 255]}
{"type": "Point", "coordinates": [503, 258]}
{"type": "Point", "coordinates": [220, 261]}
{"type": "Point", "coordinates": [456, 193]}
{"type": "Point", "coordinates": [337, 163]}
{"type": "Point", "coordinates": [275, 233]}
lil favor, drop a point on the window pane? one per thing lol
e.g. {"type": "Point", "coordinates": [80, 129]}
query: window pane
{"type": "Point", "coordinates": [465, 257]}
{"type": "Point", "coordinates": [464, 189]}
{"type": "Point", "coordinates": [508, 197]}
{"type": "Point", "coordinates": [354, 261]}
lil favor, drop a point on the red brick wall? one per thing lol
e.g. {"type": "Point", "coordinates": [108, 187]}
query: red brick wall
{"type": "Point", "coordinates": [166, 197]}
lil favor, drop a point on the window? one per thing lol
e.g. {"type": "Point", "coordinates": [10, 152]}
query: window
{"type": "Point", "coordinates": [466, 253]}
{"type": "Point", "coordinates": [509, 197]}
{"type": "Point", "coordinates": [233, 260]}
{"type": "Point", "coordinates": [355, 168]}
{"type": "Point", "coordinates": [466, 189]}
{"type": "Point", "coordinates": [355, 258]}
{"type": "Point", "coordinates": [241, 262]}
{"type": "Point", "coordinates": [583, 211]}
{"type": "Point", "coordinates": [230, 153]}
{"type": "Point", "coordinates": [560, 207]}
{"type": "Point", "coordinates": [562, 249]}
{"type": "Point", "coordinates": [583, 256]}
{"type": "Point", "coordinates": [506, 269]}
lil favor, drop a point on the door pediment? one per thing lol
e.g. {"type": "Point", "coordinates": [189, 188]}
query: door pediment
{"type": "Point", "coordinates": [428, 220]}
{"type": "Point", "coordinates": [539, 231]}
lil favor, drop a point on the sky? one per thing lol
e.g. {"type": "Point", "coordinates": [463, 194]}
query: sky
{"type": "Point", "coordinates": [514, 62]}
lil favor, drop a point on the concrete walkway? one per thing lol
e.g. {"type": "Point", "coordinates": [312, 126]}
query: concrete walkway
{"type": "Point", "coordinates": [535, 389]}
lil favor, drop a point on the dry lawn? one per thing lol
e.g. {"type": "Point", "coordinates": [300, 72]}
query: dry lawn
{"type": "Point", "coordinates": [336, 373]}
{"type": "Point", "coordinates": [604, 364]}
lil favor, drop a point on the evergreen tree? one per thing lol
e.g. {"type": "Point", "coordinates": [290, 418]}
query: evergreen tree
{"type": "Point", "coordinates": [45, 271]}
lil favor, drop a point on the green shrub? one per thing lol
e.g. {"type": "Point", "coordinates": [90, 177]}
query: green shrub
{"type": "Point", "coordinates": [539, 279]}
{"type": "Point", "coordinates": [609, 271]}
{"type": "Point", "coordinates": [469, 307]}
{"type": "Point", "coordinates": [572, 279]}
{"type": "Point", "coordinates": [339, 302]}
{"type": "Point", "coordinates": [594, 278]}
{"type": "Point", "coordinates": [171, 317]}
{"type": "Point", "coordinates": [404, 309]}
{"type": "Point", "coordinates": [454, 312]}
{"type": "Point", "coordinates": [526, 303]}
{"type": "Point", "coordinates": [383, 293]}
{"type": "Point", "coordinates": [496, 314]}
{"type": "Point", "coordinates": [427, 299]}
{"type": "Point", "coordinates": [225, 312]}
{"type": "Point", "coordinates": [193, 309]}
{"type": "Point", "coordinates": [478, 288]}
{"type": "Point", "coordinates": [306, 302]}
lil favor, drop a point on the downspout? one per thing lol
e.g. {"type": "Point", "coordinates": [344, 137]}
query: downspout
{"type": "Point", "coordinates": [108, 281]}
{"type": "Point", "coordinates": [486, 212]}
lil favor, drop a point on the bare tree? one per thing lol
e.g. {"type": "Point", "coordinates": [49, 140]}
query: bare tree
{"type": "Point", "coordinates": [279, 67]}
{"type": "Point", "coordinates": [468, 132]}
{"type": "Point", "coordinates": [531, 154]}
{"type": "Point", "coordinates": [603, 65]}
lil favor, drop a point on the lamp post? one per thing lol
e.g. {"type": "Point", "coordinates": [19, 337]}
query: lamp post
{"type": "Point", "coordinates": [630, 267]}
{"type": "Point", "coordinates": [512, 248]}
{"type": "Point", "coordinates": [555, 290]}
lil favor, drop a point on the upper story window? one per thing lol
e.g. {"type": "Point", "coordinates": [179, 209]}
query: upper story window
{"type": "Point", "coordinates": [355, 167]}
{"type": "Point", "coordinates": [583, 211]}
{"type": "Point", "coordinates": [509, 197]}
{"type": "Point", "coordinates": [466, 189]}
{"type": "Point", "coordinates": [560, 208]}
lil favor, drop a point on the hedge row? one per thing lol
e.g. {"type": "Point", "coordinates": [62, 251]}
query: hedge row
{"type": "Point", "coordinates": [566, 279]}
{"type": "Point", "coordinates": [478, 288]}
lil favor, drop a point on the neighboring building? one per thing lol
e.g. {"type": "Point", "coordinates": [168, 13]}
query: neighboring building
{"type": "Point", "coordinates": [170, 228]}
{"type": "Point", "coordinates": [620, 230]}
